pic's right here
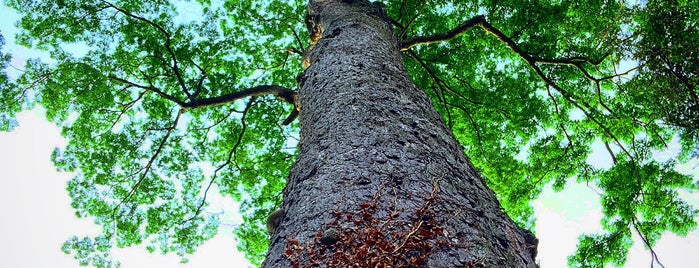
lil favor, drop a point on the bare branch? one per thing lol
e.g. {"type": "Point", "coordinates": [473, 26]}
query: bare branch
{"type": "Point", "coordinates": [532, 61]}
{"type": "Point", "coordinates": [570, 61]}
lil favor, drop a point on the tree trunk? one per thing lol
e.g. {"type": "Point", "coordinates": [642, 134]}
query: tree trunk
{"type": "Point", "coordinates": [379, 180]}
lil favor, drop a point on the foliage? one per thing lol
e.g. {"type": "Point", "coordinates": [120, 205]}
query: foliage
{"type": "Point", "coordinates": [671, 65]}
{"type": "Point", "coordinates": [7, 121]}
{"type": "Point", "coordinates": [154, 102]}
{"type": "Point", "coordinates": [144, 164]}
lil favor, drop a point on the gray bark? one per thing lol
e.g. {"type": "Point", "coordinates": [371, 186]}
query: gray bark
{"type": "Point", "coordinates": [380, 181]}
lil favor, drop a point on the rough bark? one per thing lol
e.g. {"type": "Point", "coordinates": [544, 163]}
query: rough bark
{"type": "Point", "coordinates": [380, 181]}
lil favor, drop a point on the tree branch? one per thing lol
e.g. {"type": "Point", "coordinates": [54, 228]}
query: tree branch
{"type": "Point", "coordinates": [653, 255]}
{"type": "Point", "coordinates": [420, 40]}
{"type": "Point", "coordinates": [229, 159]}
{"type": "Point", "coordinates": [278, 91]}
{"type": "Point", "coordinates": [533, 61]}
{"type": "Point", "coordinates": [149, 88]}
{"type": "Point", "coordinates": [168, 45]}
{"type": "Point", "coordinates": [125, 107]}
{"type": "Point", "coordinates": [480, 21]}
{"type": "Point", "coordinates": [148, 166]}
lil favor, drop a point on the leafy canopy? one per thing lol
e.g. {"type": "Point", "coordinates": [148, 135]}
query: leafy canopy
{"type": "Point", "coordinates": [163, 102]}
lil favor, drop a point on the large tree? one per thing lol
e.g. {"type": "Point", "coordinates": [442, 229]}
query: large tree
{"type": "Point", "coordinates": [162, 106]}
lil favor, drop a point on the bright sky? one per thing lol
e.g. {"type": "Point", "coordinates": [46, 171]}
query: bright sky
{"type": "Point", "coordinates": [38, 216]}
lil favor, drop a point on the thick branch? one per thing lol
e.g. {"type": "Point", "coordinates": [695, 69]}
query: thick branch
{"type": "Point", "coordinates": [281, 92]}
{"type": "Point", "coordinates": [480, 21]}
{"type": "Point", "coordinates": [420, 40]}
{"type": "Point", "coordinates": [278, 91]}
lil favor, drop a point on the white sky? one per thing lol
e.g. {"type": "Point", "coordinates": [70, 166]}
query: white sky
{"type": "Point", "coordinates": [38, 217]}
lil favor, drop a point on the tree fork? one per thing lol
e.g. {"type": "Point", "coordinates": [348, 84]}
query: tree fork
{"type": "Point", "coordinates": [379, 179]}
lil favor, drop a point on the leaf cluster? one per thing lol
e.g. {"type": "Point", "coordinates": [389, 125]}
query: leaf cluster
{"type": "Point", "coordinates": [136, 88]}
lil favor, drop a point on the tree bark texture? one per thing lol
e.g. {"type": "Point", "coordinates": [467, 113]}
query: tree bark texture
{"type": "Point", "coordinates": [380, 181]}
